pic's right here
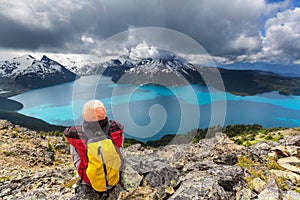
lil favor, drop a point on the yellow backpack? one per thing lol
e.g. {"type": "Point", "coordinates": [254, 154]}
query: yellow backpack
{"type": "Point", "coordinates": [104, 163]}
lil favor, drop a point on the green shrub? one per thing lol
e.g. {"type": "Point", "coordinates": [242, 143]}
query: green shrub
{"type": "Point", "coordinates": [128, 142]}
{"type": "Point", "coordinates": [269, 137]}
{"type": "Point", "coordinates": [70, 183]}
{"type": "Point", "coordinates": [272, 164]}
{"type": "Point", "coordinates": [261, 169]}
{"type": "Point", "coordinates": [58, 161]}
{"type": "Point", "coordinates": [247, 143]}
{"type": "Point", "coordinates": [239, 141]}
{"type": "Point", "coordinates": [5, 178]}
{"type": "Point", "coordinates": [55, 133]}
{"type": "Point", "coordinates": [50, 147]}
{"type": "Point", "coordinates": [6, 153]}
{"type": "Point", "coordinates": [281, 182]}
{"type": "Point", "coordinates": [251, 138]}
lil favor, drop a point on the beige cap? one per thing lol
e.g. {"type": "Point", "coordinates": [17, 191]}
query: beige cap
{"type": "Point", "coordinates": [93, 110]}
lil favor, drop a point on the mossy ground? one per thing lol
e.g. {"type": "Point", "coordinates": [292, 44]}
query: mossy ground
{"type": "Point", "coordinates": [261, 169]}
{"type": "Point", "coordinates": [250, 138]}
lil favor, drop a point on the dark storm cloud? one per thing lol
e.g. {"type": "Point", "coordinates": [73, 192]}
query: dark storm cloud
{"type": "Point", "coordinates": [213, 24]}
{"type": "Point", "coordinates": [224, 28]}
{"type": "Point", "coordinates": [14, 35]}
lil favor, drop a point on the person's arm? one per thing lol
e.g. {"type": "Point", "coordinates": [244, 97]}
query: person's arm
{"type": "Point", "coordinates": [75, 156]}
{"type": "Point", "coordinates": [117, 134]}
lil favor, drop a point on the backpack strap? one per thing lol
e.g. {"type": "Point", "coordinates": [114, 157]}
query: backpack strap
{"type": "Point", "coordinates": [74, 132]}
{"type": "Point", "coordinates": [104, 165]}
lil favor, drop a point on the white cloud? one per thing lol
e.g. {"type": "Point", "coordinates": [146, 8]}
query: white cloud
{"type": "Point", "coordinates": [281, 42]}
{"type": "Point", "coordinates": [143, 51]}
{"type": "Point", "coordinates": [41, 14]}
{"type": "Point", "coordinates": [87, 40]}
{"type": "Point", "coordinates": [246, 43]}
{"type": "Point", "coordinates": [7, 54]}
{"type": "Point", "coordinates": [204, 59]}
{"type": "Point", "coordinates": [228, 29]}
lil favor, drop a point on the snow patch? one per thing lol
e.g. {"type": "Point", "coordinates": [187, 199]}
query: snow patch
{"type": "Point", "coordinates": [28, 65]}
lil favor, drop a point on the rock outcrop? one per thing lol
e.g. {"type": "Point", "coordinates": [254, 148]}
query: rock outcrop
{"type": "Point", "coordinates": [38, 166]}
{"type": "Point", "coordinates": [33, 165]}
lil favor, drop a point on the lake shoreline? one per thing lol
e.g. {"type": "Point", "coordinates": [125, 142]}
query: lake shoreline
{"type": "Point", "coordinates": [10, 113]}
{"type": "Point", "coordinates": [268, 109]}
{"type": "Point", "coordinates": [10, 105]}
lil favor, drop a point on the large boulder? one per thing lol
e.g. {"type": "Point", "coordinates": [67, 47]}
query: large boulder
{"type": "Point", "coordinates": [285, 151]}
{"type": "Point", "coordinates": [198, 185]}
{"type": "Point", "coordinates": [291, 163]}
{"type": "Point", "coordinates": [163, 180]}
{"type": "Point", "coordinates": [221, 182]}
{"type": "Point", "coordinates": [131, 179]}
{"type": "Point", "coordinates": [271, 192]}
{"type": "Point", "coordinates": [290, 195]}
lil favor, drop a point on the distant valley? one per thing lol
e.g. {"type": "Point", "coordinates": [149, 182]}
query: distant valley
{"type": "Point", "coordinates": [168, 69]}
{"type": "Point", "coordinates": [26, 73]}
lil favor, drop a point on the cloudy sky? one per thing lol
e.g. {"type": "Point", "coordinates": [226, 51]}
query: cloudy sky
{"type": "Point", "coordinates": [231, 30]}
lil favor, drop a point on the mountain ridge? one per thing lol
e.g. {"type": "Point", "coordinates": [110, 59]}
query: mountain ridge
{"type": "Point", "coordinates": [165, 68]}
{"type": "Point", "coordinates": [172, 70]}
{"type": "Point", "coordinates": [24, 73]}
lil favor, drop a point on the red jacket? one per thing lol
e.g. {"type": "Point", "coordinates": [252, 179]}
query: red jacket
{"type": "Point", "coordinates": [77, 137]}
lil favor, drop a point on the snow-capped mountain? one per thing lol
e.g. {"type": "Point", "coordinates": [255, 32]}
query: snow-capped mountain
{"type": "Point", "coordinates": [90, 67]}
{"type": "Point", "coordinates": [80, 66]}
{"type": "Point", "coordinates": [26, 72]}
{"type": "Point", "coordinates": [167, 70]}
{"type": "Point", "coordinates": [163, 67]}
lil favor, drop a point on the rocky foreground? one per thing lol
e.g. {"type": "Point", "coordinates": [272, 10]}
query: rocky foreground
{"type": "Point", "coordinates": [38, 166]}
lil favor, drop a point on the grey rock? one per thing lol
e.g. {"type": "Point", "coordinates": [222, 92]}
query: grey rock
{"type": "Point", "coordinates": [5, 192]}
{"type": "Point", "coordinates": [271, 192]}
{"type": "Point", "coordinates": [228, 177]}
{"type": "Point", "coordinates": [291, 163]}
{"type": "Point", "coordinates": [134, 148]}
{"type": "Point", "coordinates": [163, 179]}
{"type": "Point", "coordinates": [285, 151]}
{"type": "Point", "coordinates": [220, 149]}
{"type": "Point", "coordinates": [245, 194]}
{"type": "Point", "coordinates": [291, 195]}
{"type": "Point", "coordinates": [147, 160]}
{"type": "Point", "coordinates": [145, 165]}
{"type": "Point", "coordinates": [4, 124]}
{"type": "Point", "coordinates": [216, 183]}
{"type": "Point", "coordinates": [258, 185]}
{"type": "Point", "coordinates": [142, 193]}
{"type": "Point", "coordinates": [205, 170]}
{"type": "Point", "coordinates": [292, 140]}
{"type": "Point", "coordinates": [261, 149]}
{"type": "Point", "coordinates": [287, 175]}
{"type": "Point", "coordinates": [200, 165]}
{"type": "Point", "coordinates": [196, 185]}
{"type": "Point", "coordinates": [130, 178]}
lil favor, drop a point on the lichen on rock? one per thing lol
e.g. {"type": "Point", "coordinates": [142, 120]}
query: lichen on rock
{"type": "Point", "coordinates": [39, 166]}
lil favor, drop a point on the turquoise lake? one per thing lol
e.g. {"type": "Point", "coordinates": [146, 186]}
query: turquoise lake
{"type": "Point", "coordinates": [149, 112]}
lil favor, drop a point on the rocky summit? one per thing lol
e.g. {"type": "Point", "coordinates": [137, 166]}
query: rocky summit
{"type": "Point", "coordinates": [37, 165]}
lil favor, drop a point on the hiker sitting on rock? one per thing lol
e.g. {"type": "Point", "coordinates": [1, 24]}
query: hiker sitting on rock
{"type": "Point", "coordinates": [96, 148]}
